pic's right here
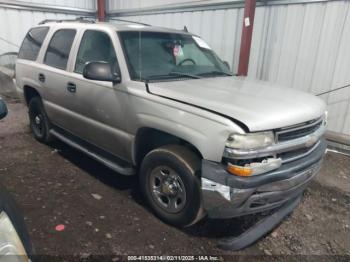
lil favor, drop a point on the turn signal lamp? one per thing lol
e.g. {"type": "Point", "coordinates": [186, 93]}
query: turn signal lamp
{"type": "Point", "coordinates": [239, 170]}
{"type": "Point", "coordinates": [255, 168]}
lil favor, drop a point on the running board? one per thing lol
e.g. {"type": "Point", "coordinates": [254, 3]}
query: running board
{"type": "Point", "coordinates": [127, 170]}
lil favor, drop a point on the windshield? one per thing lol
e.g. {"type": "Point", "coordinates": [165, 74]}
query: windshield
{"type": "Point", "coordinates": [156, 56]}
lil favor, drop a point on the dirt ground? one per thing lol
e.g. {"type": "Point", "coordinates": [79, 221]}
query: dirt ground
{"type": "Point", "coordinates": [103, 212]}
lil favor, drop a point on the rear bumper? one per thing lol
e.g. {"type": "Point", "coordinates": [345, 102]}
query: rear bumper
{"type": "Point", "coordinates": [226, 196]}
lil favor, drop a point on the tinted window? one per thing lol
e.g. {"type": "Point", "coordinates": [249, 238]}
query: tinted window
{"type": "Point", "coordinates": [58, 51]}
{"type": "Point", "coordinates": [95, 46]}
{"type": "Point", "coordinates": [32, 43]}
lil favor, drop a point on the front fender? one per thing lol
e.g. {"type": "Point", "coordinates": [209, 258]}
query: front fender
{"type": "Point", "coordinates": [206, 131]}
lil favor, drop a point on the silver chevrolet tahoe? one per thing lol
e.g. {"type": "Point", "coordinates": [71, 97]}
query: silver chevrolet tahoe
{"type": "Point", "coordinates": [161, 104]}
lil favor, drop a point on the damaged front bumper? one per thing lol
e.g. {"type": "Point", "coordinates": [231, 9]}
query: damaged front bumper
{"type": "Point", "coordinates": [226, 196]}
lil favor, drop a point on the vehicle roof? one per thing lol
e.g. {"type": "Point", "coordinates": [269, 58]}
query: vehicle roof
{"type": "Point", "coordinates": [117, 26]}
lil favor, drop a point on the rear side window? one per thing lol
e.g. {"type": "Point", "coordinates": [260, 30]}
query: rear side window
{"type": "Point", "coordinates": [32, 43]}
{"type": "Point", "coordinates": [59, 48]}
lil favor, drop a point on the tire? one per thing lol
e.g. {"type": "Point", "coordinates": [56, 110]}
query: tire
{"type": "Point", "coordinates": [38, 120]}
{"type": "Point", "coordinates": [169, 182]}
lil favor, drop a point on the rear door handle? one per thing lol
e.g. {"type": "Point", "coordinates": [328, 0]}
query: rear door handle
{"type": "Point", "coordinates": [41, 77]}
{"type": "Point", "coordinates": [71, 87]}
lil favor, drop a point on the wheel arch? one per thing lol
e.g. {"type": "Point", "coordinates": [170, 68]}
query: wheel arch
{"type": "Point", "coordinates": [30, 92]}
{"type": "Point", "coordinates": [148, 138]}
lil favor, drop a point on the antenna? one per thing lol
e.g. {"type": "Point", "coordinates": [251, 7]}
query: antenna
{"type": "Point", "coordinates": [185, 29]}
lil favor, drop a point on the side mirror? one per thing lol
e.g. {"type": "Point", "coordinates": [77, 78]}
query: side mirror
{"type": "Point", "coordinates": [3, 109]}
{"type": "Point", "coordinates": [227, 64]}
{"type": "Point", "coordinates": [101, 71]}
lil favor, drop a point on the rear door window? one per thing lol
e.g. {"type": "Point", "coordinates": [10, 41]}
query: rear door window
{"type": "Point", "coordinates": [59, 48]}
{"type": "Point", "coordinates": [32, 43]}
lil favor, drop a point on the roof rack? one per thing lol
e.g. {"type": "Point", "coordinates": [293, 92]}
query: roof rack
{"type": "Point", "coordinates": [78, 19]}
{"type": "Point", "coordinates": [128, 21]}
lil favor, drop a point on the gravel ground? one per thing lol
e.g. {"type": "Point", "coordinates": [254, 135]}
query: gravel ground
{"type": "Point", "coordinates": [104, 214]}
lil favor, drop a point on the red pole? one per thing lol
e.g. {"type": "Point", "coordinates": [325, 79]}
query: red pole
{"type": "Point", "coordinates": [101, 10]}
{"type": "Point", "coordinates": [246, 40]}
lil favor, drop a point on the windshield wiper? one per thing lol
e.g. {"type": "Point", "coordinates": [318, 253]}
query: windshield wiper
{"type": "Point", "coordinates": [184, 74]}
{"type": "Point", "coordinates": [216, 72]}
{"type": "Point", "coordinates": [171, 75]}
{"type": "Point", "coordinates": [157, 77]}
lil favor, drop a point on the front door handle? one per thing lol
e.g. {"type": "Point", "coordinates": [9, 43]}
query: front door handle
{"type": "Point", "coordinates": [41, 77]}
{"type": "Point", "coordinates": [71, 87]}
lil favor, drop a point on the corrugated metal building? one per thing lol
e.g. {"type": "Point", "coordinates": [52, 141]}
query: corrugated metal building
{"type": "Point", "coordinates": [16, 17]}
{"type": "Point", "coordinates": [296, 43]}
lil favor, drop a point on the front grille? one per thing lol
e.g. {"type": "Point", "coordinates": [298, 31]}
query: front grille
{"type": "Point", "coordinates": [299, 131]}
{"type": "Point", "coordinates": [286, 156]}
{"type": "Point", "coordinates": [296, 154]}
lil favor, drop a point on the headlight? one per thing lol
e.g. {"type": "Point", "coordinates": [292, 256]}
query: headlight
{"type": "Point", "coordinates": [10, 243]}
{"type": "Point", "coordinates": [250, 140]}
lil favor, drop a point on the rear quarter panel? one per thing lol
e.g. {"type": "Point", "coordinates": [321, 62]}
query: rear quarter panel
{"type": "Point", "coordinates": [25, 76]}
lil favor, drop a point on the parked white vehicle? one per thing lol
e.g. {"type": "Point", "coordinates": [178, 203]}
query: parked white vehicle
{"type": "Point", "coordinates": [161, 104]}
{"type": "Point", "coordinates": [15, 245]}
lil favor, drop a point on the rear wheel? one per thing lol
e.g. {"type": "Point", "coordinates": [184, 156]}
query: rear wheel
{"type": "Point", "coordinates": [169, 182]}
{"type": "Point", "coordinates": [39, 122]}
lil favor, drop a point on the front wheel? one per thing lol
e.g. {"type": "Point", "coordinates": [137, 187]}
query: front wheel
{"type": "Point", "coordinates": [169, 181]}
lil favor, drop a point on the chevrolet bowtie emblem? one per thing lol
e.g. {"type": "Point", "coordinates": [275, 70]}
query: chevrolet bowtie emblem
{"type": "Point", "coordinates": [312, 140]}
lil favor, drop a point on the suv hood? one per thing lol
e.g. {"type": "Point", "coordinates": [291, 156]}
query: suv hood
{"type": "Point", "coordinates": [259, 105]}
